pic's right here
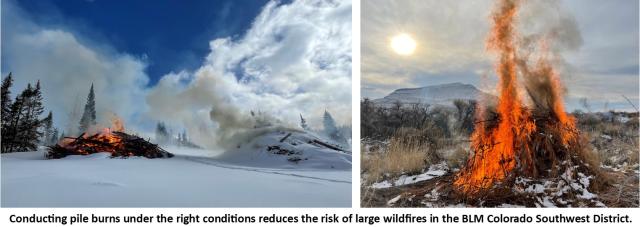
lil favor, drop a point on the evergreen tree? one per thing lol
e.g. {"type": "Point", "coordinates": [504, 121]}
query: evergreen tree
{"type": "Point", "coordinates": [10, 129]}
{"type": "Point", "coordinates": [22, 128]}
{"type": "Point", "coordinates": [328, 123]}
{"type": "Point", "coordinates": [331, 130]}
{"type": "Point", "coordinates": [6, 97]}
{"type": "Point", "coordinates": [29, 133]}
{"type": "Point", "coordinates": [6, 106]}
{"type": "Point", "coordinates": [11, 140]}
{"type": "Point", "coordinates": [303, 123]}
{"type": "Point", "coordinates": [89, 116]}
{"type": "Point", "coordinates": [162, 134]}
{"type": "Point", "coordinates": [47, 129]}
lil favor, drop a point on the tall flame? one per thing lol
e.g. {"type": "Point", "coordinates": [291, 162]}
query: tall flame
{"type": "Point", "coordinates": [501, 149]}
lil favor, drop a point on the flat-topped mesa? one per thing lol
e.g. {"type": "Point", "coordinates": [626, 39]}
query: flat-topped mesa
{"type": "Point", "coordinates": [442, 94]}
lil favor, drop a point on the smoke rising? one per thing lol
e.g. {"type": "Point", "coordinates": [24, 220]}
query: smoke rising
{"type": "Point", "coordinates": [66, 65]}
{"type": "Point", "coordinates": [547, 31]}
{"type": "Point", "coordinates": [296, 58]}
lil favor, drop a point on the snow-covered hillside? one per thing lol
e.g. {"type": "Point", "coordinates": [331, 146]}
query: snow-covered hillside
{"type": "Point", "coordinates": [250, 176]}
{"type": "Point", "coordinates": [442, 94]}
{"type": "Point", "coordinates": [288, 149]}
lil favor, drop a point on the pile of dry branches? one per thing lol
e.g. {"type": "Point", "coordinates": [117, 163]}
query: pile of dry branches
{"type": "Point", "coordinates": [119, 144]}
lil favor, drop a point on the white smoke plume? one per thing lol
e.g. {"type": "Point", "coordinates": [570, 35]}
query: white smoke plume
{"type": "Point", "coordinates": [295, 58]}
{"type": "Point", "coordinates": [66, 65]}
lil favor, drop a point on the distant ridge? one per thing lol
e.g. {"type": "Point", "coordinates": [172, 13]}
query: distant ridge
{"type": "Point", "coordinates": [442, 94]}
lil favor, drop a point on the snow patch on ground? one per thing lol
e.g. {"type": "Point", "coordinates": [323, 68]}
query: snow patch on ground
{"type": "Point", "coordinates": [546, 202]}
{"type": "Point", "coordinates": [561, 191]}
{"type": "Point", "coordinates": [504, 205]}
{"type": "Point", "coordinates": [394, 200]}
{"type": "Point", "coordinates": [383, 184]}
{"type": "Point", "coordinates": [535, 188]}
{"type": "Point", "coordinates": [434, 171]}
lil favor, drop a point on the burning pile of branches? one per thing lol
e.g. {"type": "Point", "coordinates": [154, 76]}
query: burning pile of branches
{"type": "Point", "coordinates": [515, 141]}
{"type": "Point", "coordinates": [116, 142]}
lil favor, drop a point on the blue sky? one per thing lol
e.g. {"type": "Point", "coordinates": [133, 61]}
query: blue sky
{"type": "Point", "coordinates": [169, 35]}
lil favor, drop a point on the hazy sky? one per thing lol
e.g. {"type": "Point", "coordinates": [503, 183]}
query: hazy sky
{"type": "Point", "coordinates": [599, 41]}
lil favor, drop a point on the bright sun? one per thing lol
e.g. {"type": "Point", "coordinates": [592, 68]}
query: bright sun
{"type": "Point", "coordinates": [403, 44]}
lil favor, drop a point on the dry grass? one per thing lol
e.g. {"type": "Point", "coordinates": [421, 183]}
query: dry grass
{"type": "Point", "coordinates": [411, 151]}
{"type": "Point", "coordinates": [406, 153]}
{"type": "Point", "coordinates": [614, 140]}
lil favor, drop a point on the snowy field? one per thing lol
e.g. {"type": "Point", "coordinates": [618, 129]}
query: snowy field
{"type": "Point", "coordinates": [193, 178]}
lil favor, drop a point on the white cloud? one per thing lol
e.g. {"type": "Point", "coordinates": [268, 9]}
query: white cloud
{"type": "Point", "coordinates": [451, 37]}
{"type": "Point", "coordinates": [66, 68]}
{"type": "Point", "coordinates": [295, 58]}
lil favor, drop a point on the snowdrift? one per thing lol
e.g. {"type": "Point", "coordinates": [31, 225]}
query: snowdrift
{"type": "Point", "coordinates": [282, 148]}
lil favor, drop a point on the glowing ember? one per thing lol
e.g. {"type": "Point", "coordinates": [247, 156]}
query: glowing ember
{"type": "Point", "coordinates": [520, 140]}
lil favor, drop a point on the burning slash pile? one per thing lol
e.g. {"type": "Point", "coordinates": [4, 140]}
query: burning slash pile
{"type": "Point", "coordinates": [527, 139]}
{"type": "Point", "coordinates": [526, 150]}
{"type": "Point", "coordinates": [116, 142]}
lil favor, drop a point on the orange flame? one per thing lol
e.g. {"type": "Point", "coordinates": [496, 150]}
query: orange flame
{"type": "Point", "coordinates": [500, 149]}
{"type": "Point", "coordinates": [103, 136]}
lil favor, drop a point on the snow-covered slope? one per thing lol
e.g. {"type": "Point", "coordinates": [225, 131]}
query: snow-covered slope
{"type": "Point", "coordinates": [28, 180]}
{"type": "Point", "coordinates": [268, 147]}
{"type": "Point", "coordinates": [442, 94]}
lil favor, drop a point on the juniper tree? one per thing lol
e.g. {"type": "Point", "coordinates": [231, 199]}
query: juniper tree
{"type": "Point", "coordinates": [89, 115]}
